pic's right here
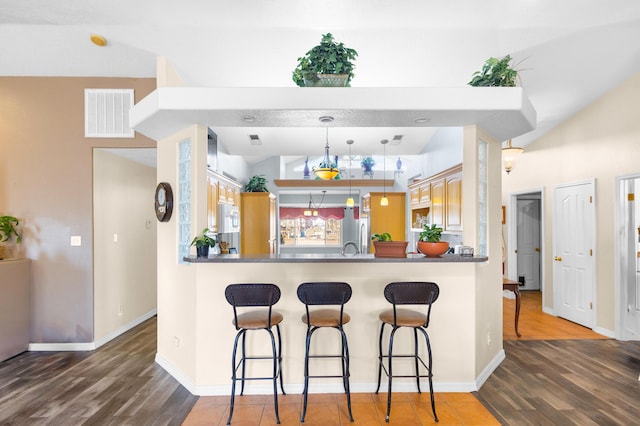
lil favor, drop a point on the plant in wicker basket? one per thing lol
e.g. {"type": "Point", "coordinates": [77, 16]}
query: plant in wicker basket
{"type": "Point", "coordinates": [327, 64]}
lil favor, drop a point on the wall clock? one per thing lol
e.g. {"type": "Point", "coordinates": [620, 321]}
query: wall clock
{"type": "Point", "coordinates": [164, 202]}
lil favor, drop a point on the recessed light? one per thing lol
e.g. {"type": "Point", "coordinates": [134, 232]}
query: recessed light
{"type": "Point", "coordinates": [421, 120]}
{"type": "Point", "coordinates": [248, 118]}
{"type": "Point", "coordinates": [98, 40]}
{"type": "Point", "coordinates": [326, 119]}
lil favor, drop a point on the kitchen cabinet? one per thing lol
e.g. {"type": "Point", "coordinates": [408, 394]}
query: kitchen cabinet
{"type": "Point", "coordinates": [257, 223]}
{"type": "Point", "coordinates": [391, 218]}
{"type": "Point", "coordinates": [15, 307]}
{"type": "Point", "coordinates": [439, 199]}
{"type": "Point", "coordinates": [453, 202]}
{"type": "Point", "coordinates": [220, 190]}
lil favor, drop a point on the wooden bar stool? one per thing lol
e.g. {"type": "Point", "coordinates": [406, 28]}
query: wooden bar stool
{"type": "Point", "coordinates": [325, 293]}
{"type": "Point", "coordinates": [263, 297]}
{"type": "Point", "coordinates": [407, 293]}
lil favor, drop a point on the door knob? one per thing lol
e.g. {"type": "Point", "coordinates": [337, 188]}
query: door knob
{"type": "Point", "coordinates": [558, 259]}
{"type": "Point", "coordinates": [538, 249]}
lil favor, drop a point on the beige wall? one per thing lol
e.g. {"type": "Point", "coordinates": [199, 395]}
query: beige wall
{"type": "Point", "coordinates": [602, 142]}
{"type": "Point", "coordinates": [46, 180]}
{"type": "Point", "coordinates": [124, 232]}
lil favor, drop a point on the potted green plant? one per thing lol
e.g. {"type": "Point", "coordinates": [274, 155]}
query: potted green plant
{"type": "Point", "coordinates": [327, 64]}
{"type": "Point", "coordinates": [386, 247]}
{"type": "Point", "coordinates": [203, 242]}
{"type": "Point", "coordinates": [429, 242]}
{"type": "Point", "coordinates": [495, 73]}
{"type": "Point", "coordinates": [256, 183]}
{"type": "Point", "coordinates": [8, 230]}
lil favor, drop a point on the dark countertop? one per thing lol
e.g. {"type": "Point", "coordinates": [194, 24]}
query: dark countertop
{"type": "Point", "coordinates": [331, 258]}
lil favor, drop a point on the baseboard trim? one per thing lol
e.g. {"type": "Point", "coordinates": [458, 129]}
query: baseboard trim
{"type": "Point", "coordinates": [490, 368]}
{"type": "Point", "coordinates": [608, 333]}
{"type": "Point", "coordinates": [183, 379]}
{"type": "Point", "coordinates": [90, 346]}
{"type": "Point", "coordinates": [125, 328]}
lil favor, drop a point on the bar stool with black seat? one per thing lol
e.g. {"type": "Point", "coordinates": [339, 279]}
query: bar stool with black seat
{"type": "Point", "coordinates": [325, 293]}
{"type": "Point", "coordinates": [407, 293]}
{"type": "Point", "coordinates": [261, 297]}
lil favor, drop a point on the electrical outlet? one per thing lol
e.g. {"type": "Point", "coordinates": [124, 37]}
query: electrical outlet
{"type": "Point", "coordinates": [489, 338]}
{"type": "Point", "coordinates": [176, 341]}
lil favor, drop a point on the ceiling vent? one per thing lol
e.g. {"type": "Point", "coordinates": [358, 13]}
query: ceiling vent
{"type": "Point", "coordinates": [255, 140]}
{"type": "Point", "coordinates": [106, 113]}
{"type": "Point", "coordinates": [396, 140]}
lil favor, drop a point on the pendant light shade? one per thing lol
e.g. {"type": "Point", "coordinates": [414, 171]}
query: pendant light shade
{"type": "Point", "coordinates": [326, 170]}
{"type": "Point", "coordinates": [384, 201]}
{"type": "Point", "coordinates": [508, 153]}
{"type": "Point", "coordinates": [350, 202]}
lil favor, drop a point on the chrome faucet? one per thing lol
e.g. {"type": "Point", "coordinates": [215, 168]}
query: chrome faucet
{"type": "Point", "coordinates": [350, 243]}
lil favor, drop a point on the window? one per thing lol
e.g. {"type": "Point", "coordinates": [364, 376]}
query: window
{"type": "Point", "coordinates": [310, 231]}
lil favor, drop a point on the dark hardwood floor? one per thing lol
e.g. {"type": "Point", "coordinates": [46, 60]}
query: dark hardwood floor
{"type": "Point", "coordinates": [118, 384]}
{"type": "Point", "coordinates": [541, 382]}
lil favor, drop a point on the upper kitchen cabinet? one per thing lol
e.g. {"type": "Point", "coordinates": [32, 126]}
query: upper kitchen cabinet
{"type": "Point", "coordinates": [220, 191]}
{"type": "Point", "coordinates": [257, 223]}
{"type": "Point", "coordinates": [438, 200]}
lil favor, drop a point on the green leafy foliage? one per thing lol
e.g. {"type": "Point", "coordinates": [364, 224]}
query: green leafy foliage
{"type": "Point", "coordinates": [9, 228]}
{"type": "Point", "coordinates": [431, 234]}
{"type": "Point", "coordinates": [381, 237]}
{"type": "Point", "coordinates": [203, 239]}
{"type": "Point", "coordinates": [495, 73]}
{"type": "Point", "coordinates": [329, 57]}
{"type": "Point", "coordinates": [257, 183]}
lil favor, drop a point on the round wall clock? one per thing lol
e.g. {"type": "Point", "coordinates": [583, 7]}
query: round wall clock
{"type": "Point", "coordinates": [164, 201]}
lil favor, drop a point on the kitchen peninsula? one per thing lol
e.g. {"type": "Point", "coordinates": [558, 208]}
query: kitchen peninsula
{"type": "Point", "coordinates": [195, 334]}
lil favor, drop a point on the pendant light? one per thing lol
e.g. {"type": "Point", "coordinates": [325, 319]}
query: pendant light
{"type": "Point", "coordinates": [350, 202]}
{"type": "Point", "coordinates": [326, 170]}
{"type": "Point", "coordinates": [507, 155]}
{"type": "Point", "coordinates": [384, 201]}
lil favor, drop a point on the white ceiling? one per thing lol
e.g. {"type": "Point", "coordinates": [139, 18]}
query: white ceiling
{"type": "Point", "coordinates": [570, 51]}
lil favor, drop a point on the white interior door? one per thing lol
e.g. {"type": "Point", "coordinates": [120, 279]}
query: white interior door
{"type": "Point", "coordinates": [529, 243]}
{"type": "Point", "coordinates": [573, 272]}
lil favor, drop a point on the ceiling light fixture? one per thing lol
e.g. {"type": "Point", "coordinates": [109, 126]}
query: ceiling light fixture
{"type": "Point", "coordinates": [327, 170]}
{"type": "Point", "coordinates": [508, 153]}
{"type": "Point", "coordinates": [312, 210]}
{"type": "Point", "coordinates": [350, 201]}
{"type": "Point", "coordinates": [98, 40]}
{"type": "Point", "coordinates": [384, 201]}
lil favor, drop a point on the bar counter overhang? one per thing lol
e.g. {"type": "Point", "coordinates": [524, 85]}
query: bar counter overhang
{"type": "Point", "coordinates": [195, 333]}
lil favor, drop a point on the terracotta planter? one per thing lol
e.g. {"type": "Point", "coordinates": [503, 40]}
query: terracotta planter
{"type": "Point", "coordinates": [433, 249]}
{"type": "Point", "coordinates": [390, 248]}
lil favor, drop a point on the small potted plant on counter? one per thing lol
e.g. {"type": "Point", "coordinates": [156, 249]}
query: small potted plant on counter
{"type": "Point", "coordinates": [8, 230]}
{"type": "Point", "coordinates": [386, 247]}
{"type": "Point", "coordinates": [203, 242]}
{"type": "Point", "coordinates": [429, 243]}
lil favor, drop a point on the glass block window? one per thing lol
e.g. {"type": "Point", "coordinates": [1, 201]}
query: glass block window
{"type": "Point", "coordinates": [184, 199]}
{"type": "Point", "coordinates": [483, 207]}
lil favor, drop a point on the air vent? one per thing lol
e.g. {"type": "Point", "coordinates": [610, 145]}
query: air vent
{"type": "Point", "coordinates": [255, 140]}
{"type": "Point", "coordinates": [106, 113]}
{"type": "Point", "coordinates": [396, 140]}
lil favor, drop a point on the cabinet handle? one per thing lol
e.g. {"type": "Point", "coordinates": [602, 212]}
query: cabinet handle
{"type": "Point", "coordinates": [558, 259]}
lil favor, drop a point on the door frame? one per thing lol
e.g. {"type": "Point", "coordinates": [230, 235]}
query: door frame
{"type": "Point", "coordinates": [594, 295]}
{"type": "Point", "coordinates": [512, 238]}
{"type": "Point", "coordinates": [620, 254]}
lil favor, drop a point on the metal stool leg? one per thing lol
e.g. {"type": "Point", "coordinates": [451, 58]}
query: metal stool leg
{"type": "Point", "coordinates": [393, 332]}
{"type": "Point", "coordinates": [233, 374]}
{"type": "Point", "coordinates": [275, 375]}
{"type": "Point", "coordinates": [244, 360]}
{"type": "Point", "coordinates": [380, 357]}
{"type": "Point", "coordinates": [305, 391]}
{"type": "Point", "coordinates": [345, 378]}
{"type": "Point", "coordinates": [280, 359]}
{"type": "Point", "coordinates": [415, 343]}
{"type": "Point", "coordinates": [430, 376]}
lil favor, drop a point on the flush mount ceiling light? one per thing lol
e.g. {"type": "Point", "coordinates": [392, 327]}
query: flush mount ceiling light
{"type": "Point", "coordinates": [327, 170]}
{"type": "Point", "coordinates": [98, 40]}
{"type": "Point", "coordinates": [508, 153]}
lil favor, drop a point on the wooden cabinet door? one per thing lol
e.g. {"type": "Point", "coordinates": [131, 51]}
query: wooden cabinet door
{"type": "Point", "coordinates": [212, 204]}
{"type": "Point", "coordinates": [414, 194]}
{"type": "Point", "coordinates": [437, 202]}
{"type": "Point", "coordinates": [425, 193]}
{"type": "Point", "coordinates": [453, 207]}
{"type": "Point", "coordinates": [366, 203]}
